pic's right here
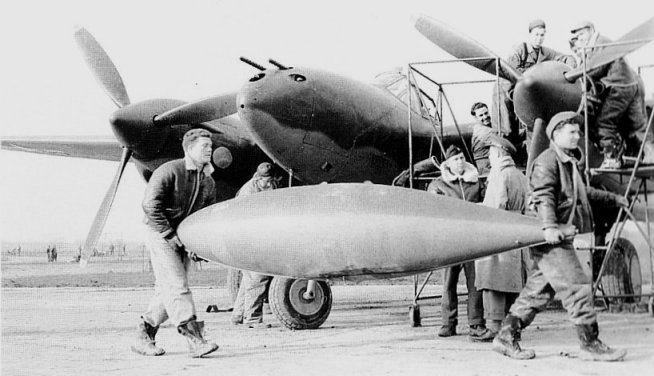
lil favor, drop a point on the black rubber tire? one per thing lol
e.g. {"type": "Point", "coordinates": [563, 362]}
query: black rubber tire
{"type": "Point", "coordinates": [295, 312]}
{"type": "Point", "coordinates": [234, 282]}
{"type": "Point", "coordinates": [622, 275]}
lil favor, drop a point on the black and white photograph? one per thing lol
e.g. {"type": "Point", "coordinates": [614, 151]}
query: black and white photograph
{"type": "Point", "coordinates": [251, 187]}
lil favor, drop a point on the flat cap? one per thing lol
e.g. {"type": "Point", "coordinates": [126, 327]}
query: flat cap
{"type": "Point", "coordinates": [536, 23]}
{"type": "Point", "coordinates": [194, 134]}
{"type": "Point", "coordinates": [452, 151]}
{"type": "Point", "coordinates": [264, 170]}
{"type": "Point", "coordinates": [563, 117]}
{"type": "Point", "coordinates": [581, 25]}
{"type": "Point", "coordinates": [502, 143]}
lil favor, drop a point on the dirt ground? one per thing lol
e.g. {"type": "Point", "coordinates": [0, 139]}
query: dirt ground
{"type": "Point", "coordinates": [88, 331]}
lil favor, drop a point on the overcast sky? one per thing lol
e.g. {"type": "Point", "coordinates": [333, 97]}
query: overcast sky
{"type": "Point", "coordinates": [189, 49]}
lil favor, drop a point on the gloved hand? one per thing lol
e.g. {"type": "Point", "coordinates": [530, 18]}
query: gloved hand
{"type": "Point", "coordinates": [174, 242]}
{"type": "Point", "coordinates": [401, 179]}
{"type": "Point", "coordinates": [553, 235]}
{"type": "Point", "coordinates": [621, 202]}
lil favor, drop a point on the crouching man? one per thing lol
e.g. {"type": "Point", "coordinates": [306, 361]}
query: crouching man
{"type": "Point", "coordinates": [175, 190]}
{"type": "Point", "coordinates": [560, 198]}
{"type": "Point", "coordinates": [248, 307]}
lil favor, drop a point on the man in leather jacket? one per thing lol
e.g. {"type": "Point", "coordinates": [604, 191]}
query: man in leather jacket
{"type": "Point", "coordinates": [560, 197]}
{"type": "Point", "coordinates": [175, 190]}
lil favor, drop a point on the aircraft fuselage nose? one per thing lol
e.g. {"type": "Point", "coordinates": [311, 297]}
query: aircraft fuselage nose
{"type": "Point", "coordinates": [286, 95]}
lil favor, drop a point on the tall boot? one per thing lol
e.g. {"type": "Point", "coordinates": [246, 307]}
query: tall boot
{"type": "Point", "coordinates": [145, 344]}
{"type": "Point", "coordinates": [197, 345]}
{"type": "Point", "coordinates": [506, 341]}
{"type": "Point", "coordinates": [593, 349]}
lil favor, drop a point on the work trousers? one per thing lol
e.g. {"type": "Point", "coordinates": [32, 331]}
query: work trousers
{"type": "Point", "coordinates": [251, 294]}
{"type": "Point", "coordinates": [621, 115]}
{"type": "Point", "coordinates": [449, 302]}
{"type": "Point", "coordinates": [172, 297]}
{"type": "Point", "coordinates": [556, 270]}
{"type": "Point", "coordinates": [497, 304]}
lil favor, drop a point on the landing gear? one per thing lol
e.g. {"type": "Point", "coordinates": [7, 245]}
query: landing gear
{"type": "Point", "coordinates": [300, 304]}
{"type": "Point", "coordinates": [622, 278]}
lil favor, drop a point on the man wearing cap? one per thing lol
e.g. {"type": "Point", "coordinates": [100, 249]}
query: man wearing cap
{"type": "Point", "coordinates": [175, 190]}
{"type": "Point", "coordinates": [459, 179]}
{"type": "Point", "coordinates": [501, 277]}
{"type": "Point", "coordinates": [524, 55]}
{"type": "Point", "coordinates": [248, 307]}
{"type": "Point", "coordinates": [621, 118]}
{"type": "Point", "coordinates": [560, 198]}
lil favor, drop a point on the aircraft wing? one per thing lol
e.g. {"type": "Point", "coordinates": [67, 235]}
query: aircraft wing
{"type": "Point", "coordinates": [104, 148]}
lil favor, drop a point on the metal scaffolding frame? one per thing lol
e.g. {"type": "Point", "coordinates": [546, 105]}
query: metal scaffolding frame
{"type": "Point", "coordinates": [623, 214]}
{"type": "Point", "coordinates": [438, 118]}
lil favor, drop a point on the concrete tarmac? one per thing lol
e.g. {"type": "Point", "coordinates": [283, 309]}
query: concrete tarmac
{"type": "Point", "coordinates": [85, 331]}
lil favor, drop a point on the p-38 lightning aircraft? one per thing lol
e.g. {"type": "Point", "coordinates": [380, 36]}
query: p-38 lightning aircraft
{"type": "Point", "coordinates": [319, 126]}
{"type": "Point", "coordinates": [357, 229]}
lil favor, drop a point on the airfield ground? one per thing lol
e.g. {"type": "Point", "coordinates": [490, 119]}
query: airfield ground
{"type": "Point", "coordinates": [51, 330]}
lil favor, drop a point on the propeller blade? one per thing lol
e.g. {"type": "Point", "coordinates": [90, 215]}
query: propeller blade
{"type": "Point", "coordinates": [539, 142]}
{"type": "Point", "coordinates": [462, 46]}
{"type": "Point", "coordinates": [206, 109]}
{"type": "Point", "coordinates": [102, 67]}
{"type": "Point", "coordinates": [640, 36]}
{"type": "Point", "coordinates": [103, 211]}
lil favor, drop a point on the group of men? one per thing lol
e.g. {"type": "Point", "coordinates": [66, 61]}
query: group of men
{"type": "Point", "coordinates": [506, 291]}
{"type": "Point", "coordinates": [616, 104]}
{"type": "Point", "coordinates": [501, 301]}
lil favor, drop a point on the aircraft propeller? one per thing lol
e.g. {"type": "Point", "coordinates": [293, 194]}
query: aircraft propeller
{"type": "Point", "coordinates": [107, 75]}
{"type": "Point", "coordinates": [462, 46]}
{"type": "Point", "coordinates": [142, 127]}
{"type": "Point", "coordinates": [102, 67]}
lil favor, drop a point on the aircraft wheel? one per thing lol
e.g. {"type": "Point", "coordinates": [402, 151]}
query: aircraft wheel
{"type": "Point", "coordinates": [233, 282]}
{"type": "Point", "coordinates": [293, 309]}
{"type": "Point", "coordinates": [622, 275]}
